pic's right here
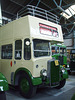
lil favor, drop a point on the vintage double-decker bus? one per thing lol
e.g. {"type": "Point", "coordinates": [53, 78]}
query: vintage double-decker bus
{"type": "Point", "coordinates": [25, 54]}
{"type": "Point", "coordinates": [59, 52]}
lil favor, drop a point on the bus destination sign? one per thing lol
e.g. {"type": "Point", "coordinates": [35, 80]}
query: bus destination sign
{"type": "Point", "coordinates": [48, 30]}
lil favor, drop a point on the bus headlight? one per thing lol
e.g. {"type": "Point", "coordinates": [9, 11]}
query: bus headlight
{"type": "Point", "coordinates": [63, 69]}
{"type": "Point", "coordinates": [68, 66]}
{"type": "Point", "coordinates": [43, 72]}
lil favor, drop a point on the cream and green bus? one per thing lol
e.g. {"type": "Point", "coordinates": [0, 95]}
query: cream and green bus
{"type": "Point", "coordinates": [25, 54]}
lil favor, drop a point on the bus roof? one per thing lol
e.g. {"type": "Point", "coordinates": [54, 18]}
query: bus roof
{"type": "Point", "coordinates": [31, 27]}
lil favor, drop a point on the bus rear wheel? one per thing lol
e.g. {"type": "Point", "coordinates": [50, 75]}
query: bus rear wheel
{"type": "Point", "coordinates": [2, 95]}
{"type": "Point", "coordinates": [62, 83]}
{"type": "Point", "coordinates": [27, 90]}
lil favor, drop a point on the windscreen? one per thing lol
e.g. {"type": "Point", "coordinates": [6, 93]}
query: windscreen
{"type": "Point", "coordinates": [63, 51]}
{"type": "Point", "coordinates": [41, 48]}
{"type": "Point", "coordinates": [55, 50]}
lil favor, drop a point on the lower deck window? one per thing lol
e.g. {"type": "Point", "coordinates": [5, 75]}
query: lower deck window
{"type": "Point", "coordinates": [6, 51]}
{"type": "Point", "coordinates": [18, 49]}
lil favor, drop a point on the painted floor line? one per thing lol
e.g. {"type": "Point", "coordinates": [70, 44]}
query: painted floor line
{"type": "Point", "coordinates": [67, 89]}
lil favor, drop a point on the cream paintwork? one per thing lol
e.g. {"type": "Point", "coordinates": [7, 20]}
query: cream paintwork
{"type": "Point", "coordinates": [25, 27]}
{"type": "Point", "coordinates": [35, 33]}
{"type": "Point", "coordinates": [42, 64]}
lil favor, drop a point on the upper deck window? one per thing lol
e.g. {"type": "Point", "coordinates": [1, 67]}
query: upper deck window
{"type": "Point", "coordinates": [41, 48]}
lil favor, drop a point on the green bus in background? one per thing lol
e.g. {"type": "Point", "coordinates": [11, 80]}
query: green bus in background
{"type": "Point", "coordinates": [59, 52]}
{"type": "Point", "coordinates": [3, 87]}
{"type": "Point", "coordinates": [72, 60]}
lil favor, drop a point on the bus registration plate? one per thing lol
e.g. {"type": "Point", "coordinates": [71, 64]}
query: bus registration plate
{"type": "Point", "coordinates": [56, 62]}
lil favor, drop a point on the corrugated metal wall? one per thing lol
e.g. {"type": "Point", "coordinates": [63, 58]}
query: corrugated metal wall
{"type": "Point", "coordinates": [70, 42]}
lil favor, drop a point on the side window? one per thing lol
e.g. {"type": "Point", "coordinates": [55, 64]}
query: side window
{"type": "Point", "coordinates": [6, 51]}
{"type": "Point", "coordinates": [27, 49]}
{"type": "Point", "coordinates": [18, 49]}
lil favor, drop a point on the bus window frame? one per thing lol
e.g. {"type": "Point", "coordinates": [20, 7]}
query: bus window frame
{"type": "Point", "coordinates": [55, 52]}
{"type": "Point", "coordinates": [65, 54]}
{"type": "Point", "coordinates": [11, 51]}
{"type": "Point", "coordinates": [49, 48]}
{"type": "Point", "coordinates": [21, 49]}
{"type": "Point", "coordinates": [28, 39]}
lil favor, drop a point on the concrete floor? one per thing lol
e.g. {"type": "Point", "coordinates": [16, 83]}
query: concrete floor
{"type": "Point", "coordinates": [48, 94]}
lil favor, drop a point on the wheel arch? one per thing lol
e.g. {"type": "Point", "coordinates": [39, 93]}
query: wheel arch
{"type": "Point", "coordinates": [19, 72]}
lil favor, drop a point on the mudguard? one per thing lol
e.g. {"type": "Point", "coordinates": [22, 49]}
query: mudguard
{"type": "Point", "coordinates": [64, 75]}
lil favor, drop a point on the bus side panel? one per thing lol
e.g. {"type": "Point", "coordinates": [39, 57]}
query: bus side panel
{"type": "Point", "coordinates": [65, 60]}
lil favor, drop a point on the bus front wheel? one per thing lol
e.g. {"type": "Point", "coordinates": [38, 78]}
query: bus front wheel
{"type": "Point", "coordinates": [27, 90]}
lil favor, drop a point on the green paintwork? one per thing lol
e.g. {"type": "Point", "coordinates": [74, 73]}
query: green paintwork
{"type": "Point", "coordinates": [38, 80]}
{"type": "Point", "coordinates": [3, 83]}
{"type": "Point", "coordinates": [56, 56]}
{"type": "Point", "coordinates": [73, 97]}
{"type": "Point", "coordinates": [60, 45]}
{"type": "Point", "coordinates": [65, 60]}
{"type": "Point", "coordinates": [64, 75]}
{"type": "Point", "coordinates": [54, 73]}
{"type": "Point", "coordinates": [35, 81]}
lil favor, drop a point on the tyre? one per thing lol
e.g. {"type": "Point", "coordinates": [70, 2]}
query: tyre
{"type": "Point", "coordinates": [26, 88]}
{"type": "Point", "coordinates": [62, 83]}
{"type": "Point", "coordinates": [2, 95]}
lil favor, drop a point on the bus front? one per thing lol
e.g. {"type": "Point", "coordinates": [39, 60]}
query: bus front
{"type": "Point", "coordinates": [47, 69]}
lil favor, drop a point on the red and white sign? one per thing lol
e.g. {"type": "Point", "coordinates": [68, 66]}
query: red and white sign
{"type": "Point", "coordinates": [45, 31]}
{"type": "Point", "coordinates": [48, 30]}
{"type": "Point", "coordinates": [55, 34]}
